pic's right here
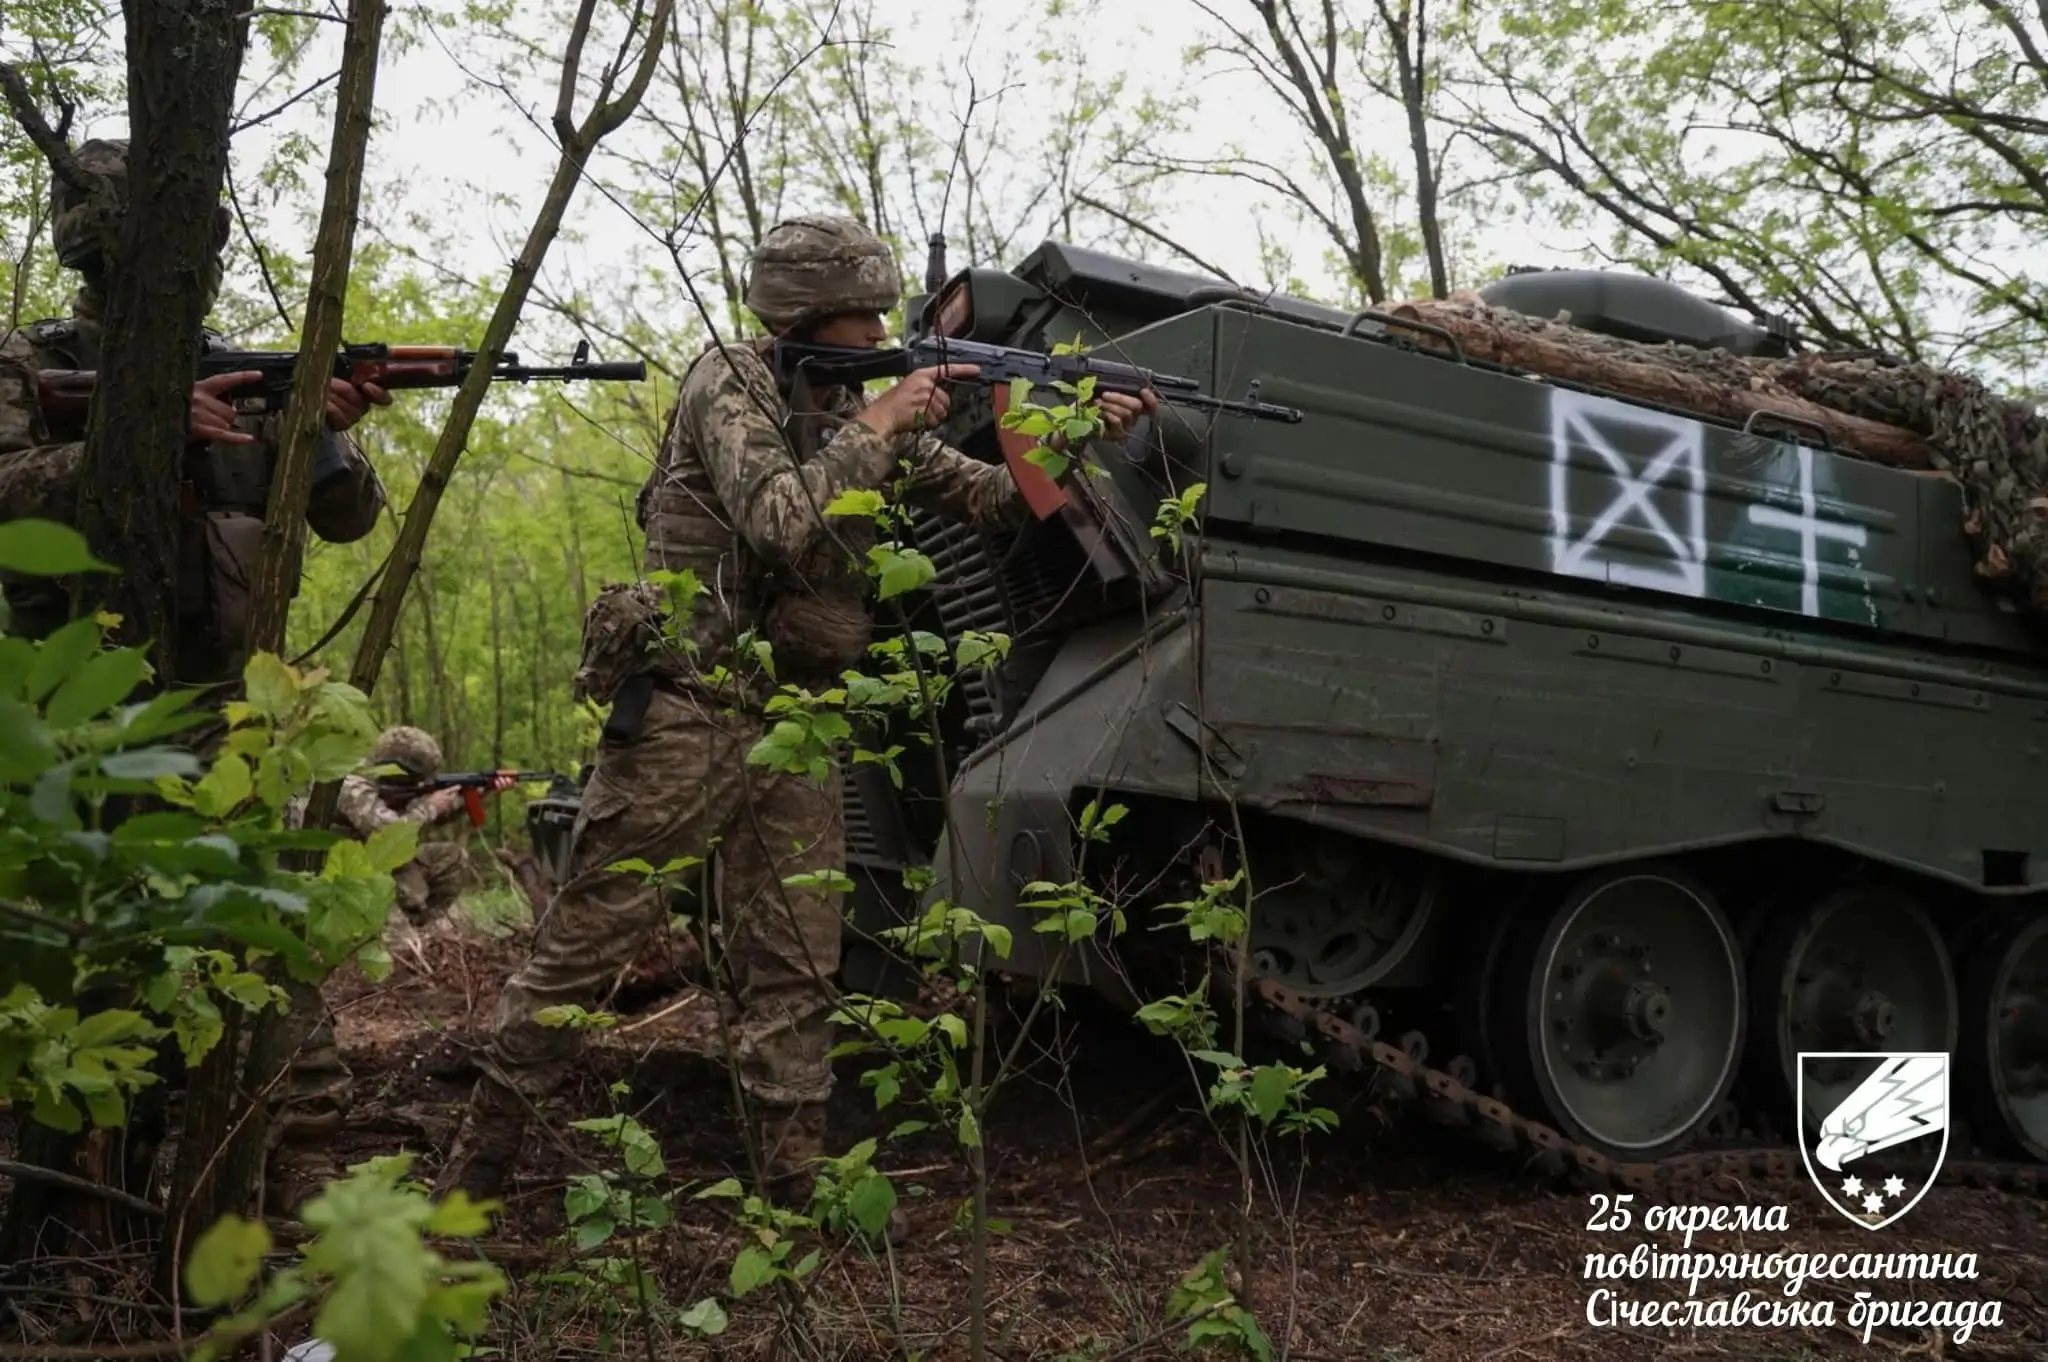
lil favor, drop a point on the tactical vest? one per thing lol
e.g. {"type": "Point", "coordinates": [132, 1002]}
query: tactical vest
{"type": "Point", "coordinates": [816, 617]}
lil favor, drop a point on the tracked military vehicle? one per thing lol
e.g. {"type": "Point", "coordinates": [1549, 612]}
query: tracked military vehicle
{"type": "Point", "coordinates": [1590, 759]}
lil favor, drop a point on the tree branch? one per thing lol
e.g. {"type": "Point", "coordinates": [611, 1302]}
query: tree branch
{"type": "Point", "coordinates": [48, 140]}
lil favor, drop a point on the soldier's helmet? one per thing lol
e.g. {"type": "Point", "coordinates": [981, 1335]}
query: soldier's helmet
{"type": "Point", "coordinates": [409, 747]}
{"type": "Point", "coordinates": [83, 224]}
{"type": "Point", "coordinates": [808, 268]}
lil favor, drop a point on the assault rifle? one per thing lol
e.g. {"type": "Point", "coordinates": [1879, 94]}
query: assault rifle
{"type": "Point", "coordinates": [64, 394]}
{"type": "Point", "coordinates": [399, 793]}
{"type": "Point", "coordinates": [999, 364]}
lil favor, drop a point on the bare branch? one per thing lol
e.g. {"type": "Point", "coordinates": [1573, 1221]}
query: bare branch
{"type": "Point", "coordinates": [48, 140]}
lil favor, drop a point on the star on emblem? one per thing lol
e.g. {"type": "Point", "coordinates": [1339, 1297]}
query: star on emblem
{"type": "Point", "coordinates": [1853, 1187]}
{"type": "Point", "coordinates": [1873, 1203]}
{"type": "Point", "coordinates": [1894, 1186]}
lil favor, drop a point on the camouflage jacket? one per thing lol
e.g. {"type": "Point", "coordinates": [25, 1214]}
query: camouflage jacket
{"type": "Point", "coordinates": [729, 501]}
{"type": "Point", "coordinates": [228, 487]}
{"type": "Point", "coordinates": [360, 809]}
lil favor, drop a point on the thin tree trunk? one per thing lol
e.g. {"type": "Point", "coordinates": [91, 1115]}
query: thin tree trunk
{"type": "Point", "coordinates": [497, 672]}
{"type": "Point", "coordinates": [320, 334]}
{"type": "Point", "coordinates": [221, 1148]}
{"type": "Point", "coordinates": [441, 715]}
{"type": "Point", "coordinates": [184, 58]}
{"type": "Point", "coordinates": [404, 685]}
{"type": "Point", "coordinates": [573, 555]}
{"type": "Point", "coordinates": [541, 734]}
{"type": "Point", "coordinates": [576, 144]}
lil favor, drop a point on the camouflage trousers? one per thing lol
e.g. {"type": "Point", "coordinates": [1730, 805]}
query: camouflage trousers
{"type": "Point", "coordinates": [308, 1106]}
{"type": "Point", "coordinates": [682, 788]}
{"type": "Point", "coordinates": [318, 1090]}
{"type": "Point", "coordinates": [430, 882]}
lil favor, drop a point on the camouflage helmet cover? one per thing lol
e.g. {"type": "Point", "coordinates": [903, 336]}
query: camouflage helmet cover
{"type": "Point", "coordinates": [412, 748]}
{"type": "Point", "coordinates": [82, 225]}
{"type": "Point", "coordinates": [810, 267]}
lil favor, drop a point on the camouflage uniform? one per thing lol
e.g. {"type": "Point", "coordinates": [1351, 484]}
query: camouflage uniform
{"type": "Point", "coordinates": [439, 871]}
{"type": "Point", "coordinates": [730, 500]}
{"type": "Point", "coordinates": [227, 487]}
{"type": "Point", "coordinates": [225, 496]}
{"type": "Point", "coordinates": [319, 1089]}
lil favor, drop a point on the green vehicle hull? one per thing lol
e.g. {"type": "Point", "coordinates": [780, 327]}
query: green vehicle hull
{"type": "Point", "coordinates": [1610, 755]}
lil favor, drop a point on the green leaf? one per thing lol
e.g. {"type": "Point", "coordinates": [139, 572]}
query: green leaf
{"type": "Point", "coordinates": [591, 1231]}
{"type": "Point", "coordinates": [705, 1317]}
{"type": "Point", "coordinates": [103, 682]}
{"type": "Point", "coordinates": [224, 787]}
{"type": "Point", "coordinates": [225, 1259]}
{"type": "Point", "coordinates": [870, 1202]}
{"type": "Point", "coordinates": [457, 1216]}
{"type": "Point", "coordinates": [752, 1267]}
{"type": "Point", "coordinates": [25, 747]}
{"type": "Point", "coordinates": [44, 548]}
{"type": "Point", "coordinates": [63, 653]}
{"type": "Point", "coordinates": [1270, 1085]}
{"type": "Point", "coordinates": [148, 764]}
{"type": "Point", "coordinates": [898, 570]}
{"type": "Point", "coordinates": [855, 501]}
{"type": "Point", "coordinates": [270, 685]}
{"type": "Point", "coordinates": [392, 845]}
{"type": "Point", "coordinates": [727, 1187]}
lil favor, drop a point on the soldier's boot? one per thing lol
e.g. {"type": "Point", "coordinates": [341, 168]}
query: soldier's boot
{"type": "Point", "coordinates": [487, 1145]}
{"type": "Point", "coordinates": [792, 1139]}
{"type": "Point", "coordinates": [293, 1175]}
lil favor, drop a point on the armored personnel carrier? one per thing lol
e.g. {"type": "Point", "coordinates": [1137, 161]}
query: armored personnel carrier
{"type": "Point", "coordinates": [1591, 759]}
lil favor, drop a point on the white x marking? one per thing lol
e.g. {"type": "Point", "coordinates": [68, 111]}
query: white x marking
{"type": "Point", "coordinates": [1576, 419]}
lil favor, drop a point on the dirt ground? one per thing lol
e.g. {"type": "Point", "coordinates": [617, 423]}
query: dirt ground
{"type": "Point", "coordinates": [1404, 1248]}
{"type": "Point", "coordinates": [1109, 1184]}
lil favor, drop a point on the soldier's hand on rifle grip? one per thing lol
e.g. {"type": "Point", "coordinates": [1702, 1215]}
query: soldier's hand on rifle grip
{"type": "Point", "coordinates": [348, 403]}
{"type": "Point", "coordinates": [212, 417]}
{"type": "Point", "coordinates": [916, 403]}
{"type": "Point", "coordinates": [1121, 411]}
{"type": "Point", "coordinates": [504, 780]}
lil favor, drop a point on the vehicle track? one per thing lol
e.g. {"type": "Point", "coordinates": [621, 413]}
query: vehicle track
{"type": "Point", "coordinates": [1714, 1172]}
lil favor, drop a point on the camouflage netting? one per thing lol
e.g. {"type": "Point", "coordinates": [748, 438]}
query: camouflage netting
{"type": "Point", "coordinates": [1997, 449]}
{"type": "Point", "coordinates": [1911, 416]}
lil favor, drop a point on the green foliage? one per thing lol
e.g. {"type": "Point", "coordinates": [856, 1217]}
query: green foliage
{"type": "Point", "coordinates": [1216, 1321]}
{"type": "Point", "coordinates": [1870, 168]}
{"type": "Point", "coordinates": [385, 1293]}
{"type": "Point", "coordinates": [1176, 515]}
{"type": "Point", "coordinates": [1070, 424]}
{"type": "Point", "coordinates": [139, 907]}
{"type": "Point", "coordinates": [149, 878]}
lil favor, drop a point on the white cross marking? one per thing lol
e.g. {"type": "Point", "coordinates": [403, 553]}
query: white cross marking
{"type": "Point", "coordinates": [1810, 528]}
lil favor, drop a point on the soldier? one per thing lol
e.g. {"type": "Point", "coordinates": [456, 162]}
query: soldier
{"type": "Point", "coordinates": [320, 1089]}
{"type": "Point", "coordinates": [437, 873]}
{"type": "Point", "coordinates": [228, 471]}
{"type": "Point", "coordinates": [735, 497]}
{"type": "Point", "coordinates": [228, 488]}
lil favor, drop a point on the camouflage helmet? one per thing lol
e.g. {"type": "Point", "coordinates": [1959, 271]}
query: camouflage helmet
{"type": "Point", "coordinates": [82, 224]}
{"type": "Point", "coordinates": [810, 267]}
{"type": "Point", "coordinates": [412, 748]}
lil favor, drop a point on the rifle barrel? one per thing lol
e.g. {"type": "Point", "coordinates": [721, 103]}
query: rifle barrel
{"type": "Point", "coordinates": [625, 370]}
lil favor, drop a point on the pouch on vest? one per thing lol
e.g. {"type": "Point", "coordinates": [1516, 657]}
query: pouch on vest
{"type": "Point", "coordinates": [234, 546]}
{"type": "Point", "coordinates": [621, 639]}
{"type": "Point", "coordinates": [816, 634]}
